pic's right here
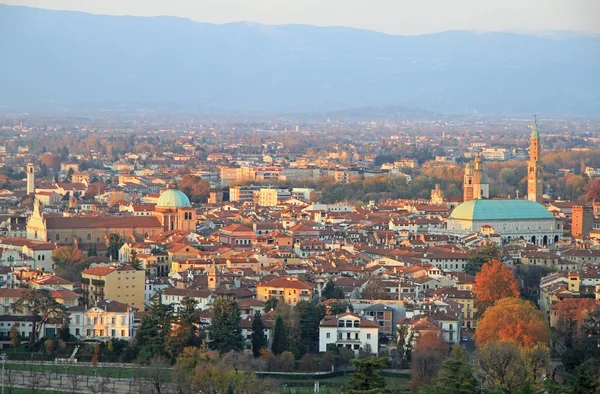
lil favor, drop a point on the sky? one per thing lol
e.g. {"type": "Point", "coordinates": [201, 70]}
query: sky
{"type": "Point", "coordinates": [388, 16]}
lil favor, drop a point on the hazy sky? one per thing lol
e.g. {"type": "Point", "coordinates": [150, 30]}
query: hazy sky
{"type": "Point", "coordinates": [390, 16]}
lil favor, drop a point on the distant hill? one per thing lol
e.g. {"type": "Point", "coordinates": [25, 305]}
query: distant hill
{"type": "Point", "coordinates": [62, 59]}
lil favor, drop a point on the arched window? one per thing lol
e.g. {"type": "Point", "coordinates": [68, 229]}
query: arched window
{"type": "Point", "coordinates": [67, 240]}
{"type": "Point", "coordinates": [89, 237]}
{"type": "Point", "coordinates": [58, 237]}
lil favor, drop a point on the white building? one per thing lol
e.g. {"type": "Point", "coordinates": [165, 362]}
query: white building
{"type": "Point", "coordinates": [349, 330]}
{"type": "Point", "coordinates": [173, 296]}
{"type": "Point", "coordinates": [103, 321]}
{"type": "Point", "coordinates": [512, 219]}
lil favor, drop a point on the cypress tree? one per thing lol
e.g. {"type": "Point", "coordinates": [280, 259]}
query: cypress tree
{"type": "Point", "coordinates": [258, 335]}
{"type": "Point", "coordinates": [279, 336]}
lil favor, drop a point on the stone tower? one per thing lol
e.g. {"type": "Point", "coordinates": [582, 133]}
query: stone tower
{"type": "Point", "coordinates": [582, 221]}
{"type": "Point", "coordinates": [481, 182]}
{"type": "Point", "coordinates": [535, 189]}
{"type": "Point", "coordinates": [468, 183]}
{"type": "Point", "coordinates": [212, 277]}
{"type": "Point", "coordinates": [30, 178]}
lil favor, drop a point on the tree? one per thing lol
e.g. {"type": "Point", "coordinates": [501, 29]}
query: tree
{"type": "Point", "coordinates": [455, 375]}
{"type": "Point", "coordinates": [585, 378]}
{"type": "Point", "coordinates": [225, 328]}
{"type": "Point", "coordinates": [279, 336]}
{"type": "Point", "coordinates": [157, 375]}
{"type": "Point", "coordinates": [258, 334]}
{"type": "Point", "coordinates": [345, 357]}
{"type": "Point", "coordinates": [327, 361]}
{"type": "Point", "coordinates": [41, 306]}
{"type": "Point", "coordinates": [367, 376]}
{"type": "Point", "coordinates": [155, 329]}
{"type": "Point", "coordinates": [332, 291]}
{"type": "Point", "coordinates": [571, 313]}
{"type": "Point", "coordinates": [134, 260]}
{"type": "Point", "coordinates": [309, 318]}
{"type": "Point", "coordinates": [307, 363]}
{"type": "Point", "coordinates": [500, 365]}
{"type": "Point", "coordinates": [515, 320]}
{"type": "Point", "coordinates": [92, 250]}
{"type": "Point", "coordinates": [339, 307]}
{"type": "Point", "coordinates": [476, 258]}
{"type": "Point", "coordinates": [401, 346]}
{"type": "Point", "coordinates": [286, 362]}
{"type": "Point", "coordinates": [69, 262]}
{"type": "Point", "coordinates": [426, 360]}
{"type": "Point", "coordinates": [115, 242]}
{"type": "Point", "coordinates": [195, 188]}
{"type": "Point", "coordinates": [271, 304]}
{"type": "Point", "coordinates": [374, 290]}
{"type": "Point", "coordinates": [592, 193]}
{"type": "Point", "coordinates": [15, 336]}
{"type": "Point", "coordinates": [494, 282]}
{"type": "Point", "coordinates": [269, 359]}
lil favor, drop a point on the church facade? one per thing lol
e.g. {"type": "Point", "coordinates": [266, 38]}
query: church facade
{"type": "Point", "coordinates": [173, 212]}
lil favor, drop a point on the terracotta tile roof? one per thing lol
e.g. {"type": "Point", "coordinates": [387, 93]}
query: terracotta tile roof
{"type": "Point", "coordinates": [98, 271]}
{"type": "Point", "coordinates": [286, 283]}
{"type": "Point", "coordinates": [113, 222]}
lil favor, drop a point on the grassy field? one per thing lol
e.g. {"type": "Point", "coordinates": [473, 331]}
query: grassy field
{"type": "Point", "coordinates": [333, 385]}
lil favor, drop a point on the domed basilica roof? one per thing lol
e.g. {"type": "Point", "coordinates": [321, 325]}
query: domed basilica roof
{"type": "Point", "coordinates": [173, 198]}
{"type": "Point", "coordinates": [500, 210]}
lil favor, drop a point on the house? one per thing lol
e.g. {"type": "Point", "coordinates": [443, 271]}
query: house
{"type": "Point", "coordinates": [349, 330]}
{"type": "Point", "coordinates": [173, 296]}
{"type": "Point", "coordinates": [383, 315]}
{"type": "Point", "coordinates": [103, 321]}
{"type": "Point", "coordinates": [123, 284]}
{"type": "Point", "coordinates": [289, 289]}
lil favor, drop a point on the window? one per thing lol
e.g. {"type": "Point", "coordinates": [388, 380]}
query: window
{"type": "Point", "coordinates": [328, 335]}
{"type": "Point", "coordinates": [89, 237]}
{"type": "Point", "coordinates": [77, 331]}
{"type": "Point", "coordinates": [356, 347]}
{"type": "Point", "coordinates": [368, 336]}
{"type": "Point", "coordinates": [113, 333]}
{"type": "Point", "coordinates": [348, 323]}
{"type": "Point", "coordinates": [122, 333]}
{"type": "Point", "coordinates": [114, 320]}
{"type": "Point", "coordinates": [58, 237]}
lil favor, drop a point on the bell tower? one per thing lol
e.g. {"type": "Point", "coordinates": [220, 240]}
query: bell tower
{"type": "Point", "coordinates": [30, 178]}
{"type": "Point", "coordinates": [535, 189]}
{"type": "Point", "coordinates": [468, 183]}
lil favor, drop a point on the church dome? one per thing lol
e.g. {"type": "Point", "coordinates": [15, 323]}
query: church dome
{"type": "Point", "coordinates": [500, 210]}
{"type": "Point", "coordinates": [173, 198]}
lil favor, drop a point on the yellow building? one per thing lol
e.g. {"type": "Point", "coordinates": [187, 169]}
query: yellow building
{"type": "Point", "coordinates": [462, 294]}
{"type": "Point", "coordinates": [267, 197]}
{"type": "Point", "coordinates": [289, 289]}
{"type": "Point", "coordinates": [124, 284]}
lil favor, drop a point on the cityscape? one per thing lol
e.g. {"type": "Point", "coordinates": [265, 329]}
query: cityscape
{"type": "Point", "coordinates": [437, 241]}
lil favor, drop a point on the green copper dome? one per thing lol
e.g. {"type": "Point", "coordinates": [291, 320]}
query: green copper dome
{"type": "Point", "coordinates": [173, 198]}
{"type": "Point", "coordinates": [500, 210]}
{"type": "Point", "coordinates": [535, 133]}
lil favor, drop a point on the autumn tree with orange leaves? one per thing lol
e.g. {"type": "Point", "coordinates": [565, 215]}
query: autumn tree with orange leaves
{"type": "Point", "coordinates": [515, 320]}
{"type": "Point", "coordinates": [494, 282]}
{"type": "Point", "coordinates": [571, 313]}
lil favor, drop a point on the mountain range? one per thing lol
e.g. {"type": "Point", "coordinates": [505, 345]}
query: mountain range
{"type": "Point", "coordinates": [55, 60]}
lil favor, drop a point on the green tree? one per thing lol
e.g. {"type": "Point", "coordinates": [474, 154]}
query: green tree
{"type": "Point", "coordinates": [455, 375]}
{"type": "Point", "coordinates": [225, 328]}
{"type": "Point", "coordinates": [367, 376]}
{"type": "Point", "coordinates": [271, 304]}
{"type": "Point", "coordinates": [92, 250]}
{"type": "Point", "coordinates": [584, 379]}
{"type": "Point", "coordinates": [134, 260]}
{"type": "Point", "coordinates": [115, 242]}
{"type": "Point", "coordinates": [279, 336]}
{"type": "Point", "coordinates": [309, 318]}
{"type": "Point", "coordinates": [258, 334]}
{"type": "Point", "coordinates": [332, 291]}
{"type": "Point", "coordinates": [41, 306]}
{"type": "Point", "coordinates": [155, 329]}
{"type": "Point", "coordinates": [338, 307]}
{"type": "Point", "coordinates": [476, 258]}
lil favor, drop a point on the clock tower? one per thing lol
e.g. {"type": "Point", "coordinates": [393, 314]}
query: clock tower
{"type": "Point", "coordinates": [535, 189]}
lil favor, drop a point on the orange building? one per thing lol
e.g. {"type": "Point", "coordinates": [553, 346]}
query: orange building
{"type": "Point", "coordinates": [291, 290]}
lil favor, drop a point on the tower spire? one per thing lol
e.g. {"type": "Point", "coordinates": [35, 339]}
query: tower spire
{"type": "Point", "coordinates": [534, 174]}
